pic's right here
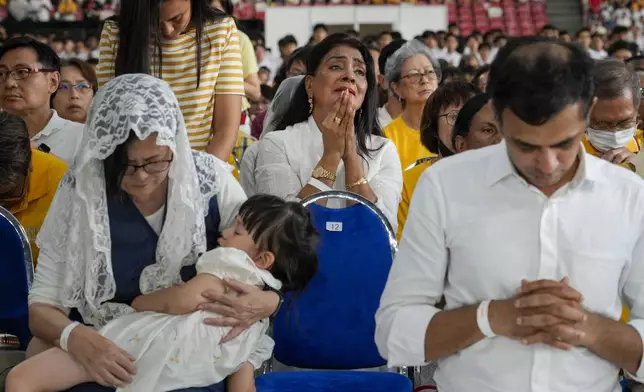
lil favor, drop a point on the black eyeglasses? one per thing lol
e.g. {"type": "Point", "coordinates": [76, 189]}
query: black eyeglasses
{"type": "Point", "coordinates": [150, 167]}
{"type": "Point", "coordinates": [21, 73]}
{"type": "Point", "coordinates": [450, 117]}
{"type": "Point", "coordinates": [417, 77]}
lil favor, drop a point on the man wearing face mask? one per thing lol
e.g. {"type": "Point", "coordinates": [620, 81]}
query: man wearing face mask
{"type": "Point", "coordinates": [612, 131]}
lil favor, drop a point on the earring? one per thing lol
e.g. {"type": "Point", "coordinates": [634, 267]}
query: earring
{"type": "Point", "coordinates": [310, 104]}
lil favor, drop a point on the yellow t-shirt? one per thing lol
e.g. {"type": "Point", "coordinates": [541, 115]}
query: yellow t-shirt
{"type": "Point", "coordinates": [46, 173]}
{"type": "Point", "coordinates": [67, 7]}
{"type": "Point", "coordinates": [410, 179]}
{"type": "Point", "coordinates": [407, 142]}
{"type": "Point", "coordinates": [249, 62]}
{"type": "Point", "coordinates": [221, 71]}
{"type": "Point", "coordinates": [633, 146]}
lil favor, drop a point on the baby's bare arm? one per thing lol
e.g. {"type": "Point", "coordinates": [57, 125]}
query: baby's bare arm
{"type": "Point", "coordinates": [178, 300]}
{"type": "Point", "coordinates": [243, 380]}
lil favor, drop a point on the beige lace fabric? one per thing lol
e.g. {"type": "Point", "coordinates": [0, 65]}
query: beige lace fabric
{"type": "Point", "coordinates": [76, 231]}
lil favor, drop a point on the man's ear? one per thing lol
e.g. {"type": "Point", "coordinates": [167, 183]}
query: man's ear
{"type": "Point", "coordinates": [54, 81]}
{"type": "Point", "coordinates": [460, 144]}
{"type": "Point", "coordinates": [265, 260]}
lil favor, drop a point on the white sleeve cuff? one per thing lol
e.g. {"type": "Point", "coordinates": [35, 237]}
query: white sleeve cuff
{"type": "Point", "coordinates": [639, 327]}
{"type": "Point", "coordinates": [319, 184]}
{"type": "Point", "coordinates": [406, 341]}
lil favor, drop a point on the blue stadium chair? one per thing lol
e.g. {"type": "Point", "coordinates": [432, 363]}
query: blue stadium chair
{"type": "Point", "coordinates": [330, 326]}
{"type": "Point", "coordinates": [16, 276]}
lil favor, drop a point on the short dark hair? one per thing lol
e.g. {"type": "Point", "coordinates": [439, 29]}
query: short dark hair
{"type": "Point", "coordinates": [466, 114]}
{"type": "Point", "coordinates": [285, 229]}
{"type": "Point", "coordinates": [536, 78]}
{"type": "Point", "coordinates": [613, 77]}
{"type": "Point", "coordinates": [15, 151]}
{"type": "Point", "coordinates": [387, 51]}
{"type": "Point", "coordinates": [580, 32]}
{"type": "Point", "coordinates": [396, 35]}
{"type": "Point", "coordinates": [287, 40]}
{"type": "Point", "coordinates": [622, 45]}
{"type": "Point", "coordinates": [268, 92]}
{"type": "Point", "coordinates": [448, 94]}
{"type": "Point", "coordinates": [44, 53]}
{"type": "Point", "coordinates": [320, 26]}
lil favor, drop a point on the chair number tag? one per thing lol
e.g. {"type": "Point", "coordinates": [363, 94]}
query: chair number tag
{"type": "Point", "coordinates": [334, 226]}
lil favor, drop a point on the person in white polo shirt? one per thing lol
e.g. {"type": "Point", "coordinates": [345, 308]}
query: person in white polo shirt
{"type": "Point", "coordinates": [29, 75]}
{"type": "Point", "coordinates": [533, 244]}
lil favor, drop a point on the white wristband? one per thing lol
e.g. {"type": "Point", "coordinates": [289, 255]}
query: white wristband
{"type": "Point", "coordinates": [482, 319]}
{"type": "Point", "coordinates": [64, 336]}
{"type": "Point", "coordinates": [319, 184]}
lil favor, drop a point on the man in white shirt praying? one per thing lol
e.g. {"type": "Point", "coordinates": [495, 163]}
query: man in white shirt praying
{"type": "Point", "coordinates": [533, 244]}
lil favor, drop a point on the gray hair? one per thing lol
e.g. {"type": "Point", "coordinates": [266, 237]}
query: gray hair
{"type": "Point", "coordinates": [280, 102]}
{"type": "Point", "coordinates": [393, 67]}
{"type": "Point", "coordinates": [613, 77]}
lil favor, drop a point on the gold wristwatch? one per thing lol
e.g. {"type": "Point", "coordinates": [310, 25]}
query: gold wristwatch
{"type": "Point", "coordinates": [321, 173]}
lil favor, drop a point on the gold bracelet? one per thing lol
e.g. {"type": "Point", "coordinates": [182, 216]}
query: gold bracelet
{"type": "Point", "coordinates": [361, 181]}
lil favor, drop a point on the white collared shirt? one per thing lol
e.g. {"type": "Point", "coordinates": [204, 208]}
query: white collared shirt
{"type": "Point", "coordinates": [476, 229]}
{"type": "Point", "coordinates": [384, 118]}
{"type": "Point", "coordinates": [61, 136]}
{"type": "Point", "coordinates": [286, 159]}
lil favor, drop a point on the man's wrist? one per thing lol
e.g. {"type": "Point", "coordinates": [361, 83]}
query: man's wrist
{"type": "Point", "coordinates": [498, 318]}
{"type": "Point", "coordinates": [592, 328]}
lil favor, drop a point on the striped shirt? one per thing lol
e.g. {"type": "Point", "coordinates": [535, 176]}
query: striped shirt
{"type": "Point", "coordinates": [221, 71]}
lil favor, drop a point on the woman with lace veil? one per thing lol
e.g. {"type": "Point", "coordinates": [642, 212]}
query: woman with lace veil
{"type": "Point", "coordinates": [134, 212]}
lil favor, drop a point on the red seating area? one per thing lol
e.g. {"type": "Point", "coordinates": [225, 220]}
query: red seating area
{"type": "Point", "coordinates": [514, 17]}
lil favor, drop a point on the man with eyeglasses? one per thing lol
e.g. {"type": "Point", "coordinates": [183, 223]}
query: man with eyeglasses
{"type": "Point", "coordinates": [612, 128]}
{"type": "Point", "coordinates": [28, 178]}
{"type": "Point", "coordinates": [29, 75]}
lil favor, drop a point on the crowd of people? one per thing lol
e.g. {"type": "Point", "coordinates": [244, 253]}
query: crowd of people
{"type": "Point", "coordinates": [159, 187]}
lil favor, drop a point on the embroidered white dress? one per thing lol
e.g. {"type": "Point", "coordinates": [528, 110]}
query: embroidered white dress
{"type": "Point", "coordinates": [174, 352]}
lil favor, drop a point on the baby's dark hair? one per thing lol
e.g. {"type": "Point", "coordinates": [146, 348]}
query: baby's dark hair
{"type": "Point", "coordinates": [286, 230]}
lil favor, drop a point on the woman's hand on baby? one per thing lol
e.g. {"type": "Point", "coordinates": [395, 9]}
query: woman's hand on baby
{"type": "Point", "coordinates": [105, 362]}
{"type": "Point", "coordinates": [240, 309]}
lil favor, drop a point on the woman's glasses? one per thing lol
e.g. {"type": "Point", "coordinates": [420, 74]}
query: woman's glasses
{"type": "Point", "coordinates": [150, 167]}
{"type": "Point", "coordinates": [417, 77]}
{"type": "Point", "coordinates": [83, 88]}
{"type": "Point", "coordinates": [450, 117]}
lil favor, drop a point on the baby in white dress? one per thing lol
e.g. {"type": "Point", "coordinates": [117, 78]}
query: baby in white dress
{"type": "Point", "coordinates": [273, 243]}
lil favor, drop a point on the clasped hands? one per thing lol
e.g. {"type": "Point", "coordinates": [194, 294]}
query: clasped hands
{"type": "Point", "coordinates": [544, 311]}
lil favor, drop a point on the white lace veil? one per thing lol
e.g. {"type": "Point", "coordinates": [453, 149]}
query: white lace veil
{"type": "Point", "coordinates": [76, 231]}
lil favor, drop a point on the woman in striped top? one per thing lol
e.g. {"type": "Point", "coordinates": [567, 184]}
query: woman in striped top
{"type": "Point", "coordinates": [160, 37]}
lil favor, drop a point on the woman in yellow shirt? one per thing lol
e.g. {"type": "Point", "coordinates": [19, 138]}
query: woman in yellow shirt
{"type": "Point", "coordinates": [439, 117]}
{"type": "Point", "coordinates": [193, 47]}
{"type": "Point", "coordinates": [412, 76]}
{"type": "Point", "coordinates": [29, 177]}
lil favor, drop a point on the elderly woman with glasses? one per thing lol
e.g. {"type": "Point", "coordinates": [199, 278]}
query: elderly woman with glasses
{"type": "Point", "coordinates": [412, 75]}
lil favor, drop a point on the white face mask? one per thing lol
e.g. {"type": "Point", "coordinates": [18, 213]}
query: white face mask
{"type": "Point", "coordinates": [606, 140]}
